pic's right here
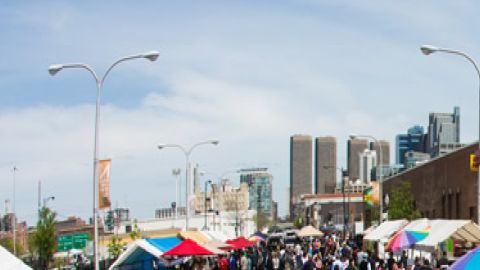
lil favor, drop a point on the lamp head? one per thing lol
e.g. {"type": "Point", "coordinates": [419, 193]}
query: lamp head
{"type": "Point", "coordinates": [428, 49]}
{"type": "Point", "coordinates": [54, 69]}
{"type": "Point", "coordinates": [352, 136]}
{"type": "Point", "coordinates": [215, 142]}
{"type": "Point", "coordinates": [161, 146]}
{"type": "Point", "coordinates": [152, 56]}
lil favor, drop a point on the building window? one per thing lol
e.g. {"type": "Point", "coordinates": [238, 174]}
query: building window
{"type": "Point", "coordinates": [450, 206]}
{"type": "Point", "coordinates": [472, 213]}
{"type": "Point", "coordinates": [444, 215]}
{"type": "Point", "coordinates": [457, 205]}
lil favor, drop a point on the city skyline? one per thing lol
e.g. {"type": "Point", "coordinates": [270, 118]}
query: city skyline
{"type": "Point", "coordinates": [249, 74]}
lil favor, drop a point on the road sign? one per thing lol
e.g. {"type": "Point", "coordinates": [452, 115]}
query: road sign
{"type": "Point", "coordinates": [67, 242]}
{"type": "Point", "coordinates": [474, 161]}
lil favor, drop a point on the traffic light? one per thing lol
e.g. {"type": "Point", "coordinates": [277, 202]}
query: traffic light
{"type": "Point", "coordinates": [474, 161]}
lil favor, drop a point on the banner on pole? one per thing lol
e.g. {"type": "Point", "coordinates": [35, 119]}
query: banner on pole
{"type": "Point", "coordinates": [371, 195]}
{"type": "Point", "coordinates": [104, 183]}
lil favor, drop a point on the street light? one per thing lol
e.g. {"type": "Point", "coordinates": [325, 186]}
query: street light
{"type": "Point", "coordinates": [429, 49]}
{"type": "Point", "coordinates": [209, 182]}
{"type": "Point", "coordinates": [345, 216]}
{"type": "Point", "coordinates": [187, 153]}
{"type": "Point", "coordinates": [54, 69]}
{"type": "Point", "coordinates": [378, 170]}
{"type": "Point", "coordinates": [45, 200]}
{"type": "Point", "coordinates": [176, 173]}
{"type": "Point", "coordinates": [14, 216]}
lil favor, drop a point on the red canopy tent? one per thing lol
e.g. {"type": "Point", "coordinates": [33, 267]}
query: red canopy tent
{"type": "Point", "coordinates": [188, 248]}
{"type": "Point", "coordinates": [240, 243]}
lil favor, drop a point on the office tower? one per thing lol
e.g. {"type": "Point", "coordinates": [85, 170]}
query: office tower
{"type": "Point", "coordinates": [354, 148]}
{"type": "Point", "coordinates": [385, 151]}
{"type": "Point", "coordinates": [300, 168]}
{"type": "Point", "coordinates": [443, 130]}
{"type": "Point", "coordinates": [367, 161]}
{"type": "Point", "coordinates": [325, 165]}
{"type": "Point", "coordinates": [196, 180]}
{"type": "Point", "coordinates": [259, 183]}
{"type": "Point", "coordinates": [413, 141]}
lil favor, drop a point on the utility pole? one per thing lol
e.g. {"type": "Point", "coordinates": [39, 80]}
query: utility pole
{"type": "Point", "coordinates": [14, 216]}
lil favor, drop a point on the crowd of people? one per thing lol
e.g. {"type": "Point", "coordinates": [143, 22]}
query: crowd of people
{"type": "Point", "coordinates": [326, 253]}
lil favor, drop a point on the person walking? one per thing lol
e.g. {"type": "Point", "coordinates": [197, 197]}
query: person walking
{"type": "Point", "coordinates": [351, 265]}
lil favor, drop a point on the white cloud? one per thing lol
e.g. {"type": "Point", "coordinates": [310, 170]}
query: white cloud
{"type": "Point", "coordinates": [248, 75]}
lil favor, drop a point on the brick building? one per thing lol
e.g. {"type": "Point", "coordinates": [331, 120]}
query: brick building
{"type": "Point", "coordinates": [443, 187]}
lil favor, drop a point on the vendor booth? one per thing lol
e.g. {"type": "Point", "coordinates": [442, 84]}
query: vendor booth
{"type": "Point", "coordinates": [9, 262]}
{"type": "Point", "coordinates": [145, 254]}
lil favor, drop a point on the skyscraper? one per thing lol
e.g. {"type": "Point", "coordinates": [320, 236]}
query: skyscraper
{"type": "Point", "coordinates": [259, 183]}
{"type": "Point", "coordinates": [414, 141]}
{"type": "Point", "coordinates": [385, 151]}
{"type": "Point", "coordinates": [367, 161]}
{"type": "Point", "coordinates": [325, 165]}
{"type": "Point", "coordinates": [443, 129]}
{"type": "Point", "coordinates": [300, 168]}
{"type": "Point", "coordinates": [354, 148]}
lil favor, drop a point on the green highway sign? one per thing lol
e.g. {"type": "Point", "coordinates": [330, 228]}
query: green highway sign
{"type": "Point", "coordinates": [72, 241]}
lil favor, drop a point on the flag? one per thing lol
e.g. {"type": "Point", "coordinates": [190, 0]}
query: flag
{"type": "Point", "coordinates": [104, 183]}
{"type": "Point", "coordinates": [368, 196]}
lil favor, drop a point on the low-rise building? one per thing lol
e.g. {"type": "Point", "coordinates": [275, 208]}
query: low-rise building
{"type": "Point", "coordinates": [443, 187]}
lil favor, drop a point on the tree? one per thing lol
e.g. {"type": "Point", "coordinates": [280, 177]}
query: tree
{"type": "Point", "coordinates": [261, 220]}
{"type": "Point", "coordinates": [135, 233]}
{"type": "Point", "coordinates": [402, 203]}
{"type": "Point", "coordinates": [7, 243]}
{"type": "Point", "coordinates": [44, 239]}
{"type": "Point", "coordinates": [115, 247]}
{"type": "Point", "coordinates": [298, 222]}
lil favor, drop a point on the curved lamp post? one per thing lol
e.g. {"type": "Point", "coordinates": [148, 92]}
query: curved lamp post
{"type": "Point", "coordinates": [45, 200]}
{"type": "Point", "coordinates": [379, 172]}
{"type": "Point", "coordinates": [187, 153]}
{"type": "Point", "coordinates": [429, 49]}
{"type": "Point", "coordinates": [54, 69]}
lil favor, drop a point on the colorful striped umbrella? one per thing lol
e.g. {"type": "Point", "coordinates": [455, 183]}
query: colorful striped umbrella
{"type": "Point", "coordinates": [405, 239]}
{"type": "Point", "coordinates": [256, 238]}
{"type": "Point", "coordinates": [469, 261]}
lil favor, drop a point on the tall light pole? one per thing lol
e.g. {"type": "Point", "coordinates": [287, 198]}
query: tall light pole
{"type": "Point", "coordinates": [429, 49]}
{"type": "Point", "coordinates": [345, 216]}
{"type": "Point", "coordinates": [14, 216]}
{"type": "Point", "coordinates": [378, 169]}
{"type": "Point", "coordinates": [54, 69]}
{"type": "Point", "coordinates": [187, 153]}
{"type": "Point", "coordinates": [45, 200]}
{"type": "Point", "coordinates": [176, 173]}
{"type": "Point", "coordinates": [209, 182]}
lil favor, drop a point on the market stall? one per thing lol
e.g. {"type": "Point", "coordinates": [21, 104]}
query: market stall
{"type": "Point", "coordinates": [144, 254]}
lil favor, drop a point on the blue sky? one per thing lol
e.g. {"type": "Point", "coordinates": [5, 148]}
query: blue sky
{"type": "Point", "coordinates": [250, 73]}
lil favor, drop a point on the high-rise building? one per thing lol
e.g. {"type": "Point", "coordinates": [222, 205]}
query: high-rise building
{"type": "Point", "coordinates": [443, 129]}
{"type": "Point", "coordinates": [325, 165]}
{"type": "Point", "coordinates": [367, 161]}
{"type": "Point", "coordinates": [259, 183]}
{"type": "Point", "coordinates": [414, 141]}
{"type": "Point", "coordinates": [385, 151]}
{"type": "Point", "coordinates": [354, 148]}
{"type": "Point", "coordinates": [196, 179]}
{"type": "Point", "coordinates": [300, 168]}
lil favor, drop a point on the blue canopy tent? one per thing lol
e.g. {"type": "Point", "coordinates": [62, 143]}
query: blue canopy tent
{"type": "Point", "coordinates": [145, 254]}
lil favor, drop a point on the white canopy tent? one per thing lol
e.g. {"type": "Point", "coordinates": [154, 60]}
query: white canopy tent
{"type": "Point", "coordinates": [441, 230]}
{"type": "Point", "coordinates": [309, 231]}
{"type": "Point", "coordinates": [9, 262]}
{"type": "Point", "coordinates": [216, 236]}
{"type": "Point", "coordinates": [385, 230]}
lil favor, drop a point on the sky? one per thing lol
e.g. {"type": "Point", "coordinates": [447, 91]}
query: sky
{"type": "Point", "coordinates": [248, 73]}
